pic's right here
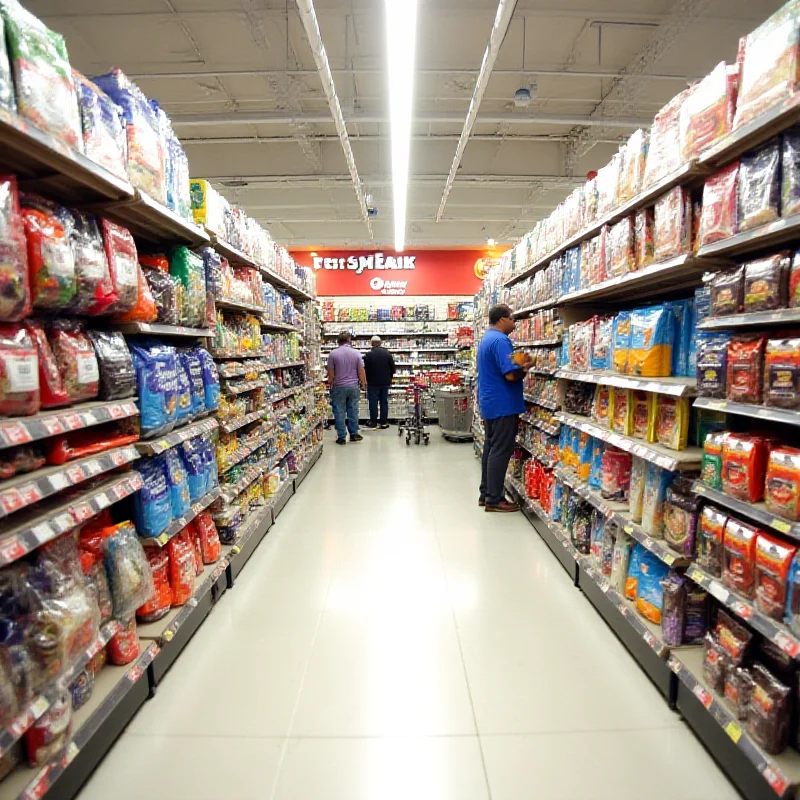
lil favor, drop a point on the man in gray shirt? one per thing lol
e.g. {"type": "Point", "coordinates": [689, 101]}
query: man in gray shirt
{"type": "Point", "coordinates": [345, 376]}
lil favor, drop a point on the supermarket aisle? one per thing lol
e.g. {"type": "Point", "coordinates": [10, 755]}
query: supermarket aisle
{"type": "Point", "coordinates": [390, 640]}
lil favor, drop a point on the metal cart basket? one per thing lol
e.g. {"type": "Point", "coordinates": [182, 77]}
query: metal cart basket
{"type": "Point", "coordinates": [454, 409]}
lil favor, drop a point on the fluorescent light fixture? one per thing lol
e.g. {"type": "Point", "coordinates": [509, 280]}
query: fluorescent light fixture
{"type": "Point", "coordinates": [490, 242]}
{"type": "Point", "coordinates": [401, 40]}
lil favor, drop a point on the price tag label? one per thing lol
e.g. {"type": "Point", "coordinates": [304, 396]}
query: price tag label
{"type": "Point", "coordinates": [89, 419]}
{"type": "Point", "coordinates": [53, 425]}
{"type": "Point", "coordinates": [781, 525]}
{"type": "Point", "coordinates": [787, 643]}
{"type": "Point", "coordinates": [120, 491]}
{"type": "Point", "coordinates": [703, 696]}
{"type": "Point", "coordinates": [734, 731]}
{"type": "Point", "coordinates": [75, 474]}
{"type": "Point", "coordinates": [93, 467]}
{"type": "Point", "coordinates": [102, 501]}
{"type": "Point", "coordinates": [775, 778]}
{"type": "Point", "coordinates": [11, 500]}
{"type": "Point", "coordinates": [82, 512]}
{"type": "Point", "coordinates": [72, 421]}
{"type": "Point", "coordinates": [16, 433]}
{"type": "Point", "coordinates": [718, 591]}
{"type": "Point", "coordinates": [118, 458]}
{"type": "Point", "coordinates": [115, 412]}
{"type": "Point", "coordinates": [11, 551]}
{"type": "Point", "coordinates": [42, 532]}
{"type": "Point", "coordinates": [31, 493]}
{"type": "Point", "coordinates": [168, 635]}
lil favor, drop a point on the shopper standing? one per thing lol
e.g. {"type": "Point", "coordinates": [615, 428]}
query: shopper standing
{"type": "Point", "coordinates": [501, 401]}
{"type": "Point", "coordinates": [379, 367]}
{"type": "Point", "coordinates": [345, 376]}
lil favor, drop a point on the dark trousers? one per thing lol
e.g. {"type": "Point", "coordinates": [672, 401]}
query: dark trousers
{"type": "Point", "coordinates": [498, 445]}
{"type": "Point", "coordinates": [375, 395]}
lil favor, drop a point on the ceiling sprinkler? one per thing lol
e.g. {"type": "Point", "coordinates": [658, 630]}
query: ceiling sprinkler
{"type": "Point", "coordinates": [522, 97]}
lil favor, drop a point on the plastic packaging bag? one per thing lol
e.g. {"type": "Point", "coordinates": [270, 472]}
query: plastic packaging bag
{"type": "Point", "coordinates": [210, 379]}
{"type": "Point", "coordinates": [769, 711]}
{"type": "Point", "coordinates": [636, 497]}
{"type": "Point", "coordinates": [160, 602]}
{"type": "Point", "coordinates": [782, 486]}
{"type": "Point", "coordinates": [711, 532]}
{"type": "Point", "coordinates": [652, 337]}
{"type": "Point", "coordinates": [740, 557]}
{"type": "Point", "coordinates": [634, 572]}
{"type": "Point", "coordinates": [209, 538]}
{"type": "Point", "coordinates": [15, 293]}
{"type": "Point", "coordinates": [165, 296]}
{"type": "Point", "coordinates": [188, 268]}
{"type": "Point", "coordinates": [181, 569]}
{"type": "Point", "coordinates": [76, 360]}
{"type": "Point", "coordinates": [45, 89]}
{"type": "Point", "coordinates": [770, 64]}
{"type": "Point", "coordinates": [153, 502]}
{"type": "Point", "coordinates": [673, 617]}
{"type": "Point", "coordinates": [620, 563]}
{"type": "Point", "coordinates": [117, 375]}
{"type": "Point", "coordinates": [727, 292]}
{"type": "Point", "coordinates": [711, 464]}
{"type": "Point", "coordinates": [773, 561]}
{"type": "Point", "coordinates": [671, 427]}
{"type": "Point", "coordinates": [790, 172]}
{"type": "Point", "coordinates": [194, 466]}
{"type": "Point", "coordinates": [664, 153]}
{"type": "Point", "coordinates": [782, 373]}
{"type": "Point", "coordinates": [51, 263]}
{"type": "Point", "coordinates": [672, 229]}
{"type": "Point", "coordinates": [178, 486]}
{"type": "Point", "coordinates": [51, 383]}
{"type": "Point", "coordinates": [718, 219]}
{"type": "Point", "coordinates": [704, 114]}
{"type": "Point", "coordinates": [50, 734]}
{"type": "Point", "coordinates": [616, 474]}
{"type": "Point", "coordinates": [744, 462]}
{"type": "Point", "coordinates": [644, 236]}
{"type": "Point", "coordinates": [649, 592]}
{"type": "Point", "coordinates": [766, 282]}
{"type": "Point", "coordinates": [746, 368]}
{"type": "Point", "coordinates": [157, 382]}
{"type": "Point", "coordinates": [620, 251]}
{"type": "Point", "coordinates": [123, 265]}
{"type": "Point", "coordinates": [19, 372]}
{"type": "Point", "coordinates": [759, 187]}
{"type": "Point", "coordinates": [144, 310]}
{"type": "Point", "coordinates": [680, 517]}
{"type": "Point", "coordinates": [656, 483]}
{"type": "Point", "coordinates": [621, 342]}
{"type": "Point", "coordinates": [124, 646]}
{"type": "Point", "coordinates": [128, 570]}
{"type": "Point", "coordinates": [183, 404]}
{"type": "Point", "coordinates": [631, 172]}
{"type": "Point", "coordinates": [622, 411]}
{"type": "Point", "coordinates": [193, 367]}
{"type": "Point", "coordinates": [92, 277]}
{"type": "Point", "coordinates": [712, 365]}
{"type": "Point", "coordinates": [7, 101]}
{"type": "Point", "coordinates": [103, 128]}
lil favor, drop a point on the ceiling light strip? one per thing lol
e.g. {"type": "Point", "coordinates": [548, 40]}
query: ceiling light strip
{"type": "Point", "coordinates": [311, 25]}
{"type": "Point", "coordinates": [505, 10]}
{"type": "Point", "coordinates": [401, 37]}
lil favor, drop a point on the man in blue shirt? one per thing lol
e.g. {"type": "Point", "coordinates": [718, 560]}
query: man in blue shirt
{"type": "Point", "coordinates": [501, 402]}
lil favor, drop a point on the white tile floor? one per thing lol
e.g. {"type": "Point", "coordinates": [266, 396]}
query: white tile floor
{"type": "Point", "coordinates": [390, 641]}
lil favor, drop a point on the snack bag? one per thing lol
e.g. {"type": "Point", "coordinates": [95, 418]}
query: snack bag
{"type": "Point", "coordinates": [209, 538]}
{"type": "Point", "coordinates": [671, 427]}
{"type": "Point", "coordinates": [187, 267]}
{"type": "Point", "coordinates": [790, 170]}
{"type": "Point", "coordinates": [159, 603]}
{"type": "Point", "coordinates": [642, 404]}
{"type": "Point", "coordinates": [712, 364]}
{"type": "Point", "coordinates": [704, 114]}
{"type": "Point", "coordinates": [181, 569]}
{"type": "Point", "coordinates": [769, 711]}
{"type": "Point", "coordinates": [51, 385]}
{"type": "Point", "coordinates": [634, 572]}
{"type": "Point", "coordinates": [620, 564]}
{"type": "Point", "coordinates": [144, 309]}
{"type": "Point", "coordinates": [657, 481]}
{"type": "Point", "coordinates": [596, 472]}
{"type": "Point", "coordinates": [620, 251]}
{"type": "Point", "coordinates": [718, 219]}
{"type": "Point", "coordinates": [117, 375]}
{"type": "Point", "coordinates": [644, 237]}
{"type": "Point", "coordinates": [102, 126]}
{"type": "Point", "coordinates": [769, 64]}
{"type": "Point", "coordinates": [176, 480]}
{"type": "Point", "coordinates": [210, 379]}
{"type": "Point", "coordinates": [782, 487]}
{"type": "Point", "coordinates": [622, 411]}
{"type": "Point", "coordinates": [164, 289]}
{"type": "Point", "coordinates": [601, 406]}
{"type": "Point", "coordinates": [153, 502]}
{"type": "Point", "coordinates": [773, 561]}
{"type": "Point", "coordinates": [123, 266]}
{"type": "Point", "coordinates": [759, 186]}
{"type": "Point", "coordinates": [664, 153]}
{"type": "Point", "coordinates": [744, 461]}
{"type": "Point", "coordinates": [711, 532]}
{"type": "Point", "coordinates": [766, 282]}
{"type": "Point", "coordinates": [15, 292]}
{"type": "Point", "coordinates": [45, 91]}
{"type": "Point", "coordinates": [616, 474]}
{"type": "Point", "coordinates": [584, 456]}
{"type": "Point", "coordinates": [673, 615]}
{"type": "Point", "coordinates": [782, 373]}
{"type": "Point", "coordinates": [183, 405]}
{"type": "Point", "coordinates": [636, 497]}
{"type": "Point", "coordinates": [680, 347]}
{"type": "Point", "coordinates": [672, 224]}
{"type": "Point", "coordinates": [76, 359]}
{"type": "Point", "coordinates": [19, 372]}
{"type": "Point", "coordinates": [711, 464]}
{"type": "Point", "coordinates": [7, 101]}
{"type": "Point", "coordinates": [621, 338]}
{"type": "Point", "coordinates": [745, 368]}
{"type": "Point", "coordinates": [124, 646]}
{"type": "Point", "coordinates": [631, 173]}
{"type": "Point", "coordinates": [129, 576]}
{"type": "Point", "coordinates": [792, 617]}
{"type": "Point", "coordinates": [190, 360]}
{"type": "Point", "coordinates": [727, 292]}
{"type": "Point", "coordinates": [649, 590]}
{"type": "Point", "coordinates": [601, 351]}
{"type": "Point", "coordinates": [680, 517]}
{"type": "Point", "coordinates": [652, 337]}
{"type": "Point", "coordinates": [794, 283]}
{"type": "Point", "coordinates": [157, 383]}
{"type": "Point", "coordinates": [740, 557]}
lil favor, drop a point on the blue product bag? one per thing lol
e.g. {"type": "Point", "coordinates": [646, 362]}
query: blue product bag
{"type": "Point", "coordinates": [634, 573]}
{"type": "Point", "coordinates": [194, 370]}
{"type": "Point", "coordinates": [680, 347]}
{"type": "Point", "coordinates": [152, 504]}
{"type": "Point", "coordinates": [702, 304]}
{"type": "Point", "coordinates": [183, 410]}
{"type": "Point", "coordinates": [596, 471]}
{"type": "Point", "coordinates": [178, 487]}
{"type": "Point", "coordinates": [558, 493]}
{"type": "Point", "coordinates": [156, 384]}
{"type": "Point", "coordinates": [650, 592]}
{"type": "Point", "coordinates": [621, 342]}
{"type": "Point", "coordinates": [192, 460]}
{"type": "Point", "coordinates": [210, 379]}
{"type": "Point", "coordinates": [601, 351]}
{"type": "Point", "coordinates": [792, 618]}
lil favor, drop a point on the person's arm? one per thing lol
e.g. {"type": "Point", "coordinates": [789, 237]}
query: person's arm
{"type": "Point", "coordinates": [330, 370]}
{"type": "Point", "coordinates": [362, 377]}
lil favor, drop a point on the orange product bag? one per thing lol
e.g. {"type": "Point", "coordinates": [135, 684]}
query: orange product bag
{"type": "Point", "coordinates": [144, 310]}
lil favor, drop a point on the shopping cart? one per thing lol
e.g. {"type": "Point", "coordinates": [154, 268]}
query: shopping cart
{"type": "Point", "coordinates": [454, 410]}
{"type": "Point", "coordinates": [414, 422]}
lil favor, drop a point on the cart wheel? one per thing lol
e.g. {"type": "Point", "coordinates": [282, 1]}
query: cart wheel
{"type": "Point", "coordinates": [427, 440]}
{"type": "Point", "coordinates": [417, 438]}
{"type": "Point", "coordinates": [408, 440]}
{"type": "Point", "coordinates": [399, 430]}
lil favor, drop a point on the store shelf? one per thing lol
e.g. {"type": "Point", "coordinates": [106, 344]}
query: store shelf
{"type": "Point", "coordinates": [176, 437]}
{"type": "Point", "coordinates": [117, 695]}
{"type": "Point", "coordinates": [221, 352]}
{"type": "Point", "coordinates": [172, 632]}
{"type": "Point", "coordinates": [783, 316]}
{"type": "Point", "coordinates": [237, 305]}
{"type": "Point", "coordinates": [235, 424]}
{"type": "Point", "coordinates": [670, 275]}
{"type": "Point", "coordinates": [757, 512]}
{"type": "Point", "coordinates": [672, 460]}
{"type": "Point", "coordinates": [156, 329]}
{"type": "Point", "coordinates": [244, 368]}
{"type": "Point", "coordinates": [686, 173]}
{"type": "Point", "coordinates": [523, 312]}
{"type": "Point", "coordinates": [756, 132]}
{"type": "Point", "coordinates": [553, 430]}
{"type": "Point", "coordinates": [25, 490]}
{"type": "Point", "coordinates": [289, 392]}
{"type": "Point", "coordinates": [274, 325]}
{"type": "Point", "coordinates": [619, 513]}
{"type": "Point", "coordinates": [294, 291]}
{"type": "Point", "coordinates": [46, 166]}
{"type": "Point", "coordinates": [152, 222]}
{"type": "Point", "coordinates": [22, 430]}
{"type": "Point", "coordinates": [747, 610]}
{"type": "Point", "coordinates": [757, 774]}
{"type": "Point", "coordinates": [48, 520]}
{"type": "Point", "coordinates": [539, 343]}
{"type": "Point", "coordinates": [177, 525]}
{"type": "Point", "coordinates": [385, 334]}
{"type": "Point", "coordinates": [540, 401]}
{"type": "Point", "coordinates": [246, 386]}
{"type": "Point", "coordinates": [677, 387]}
{"type": "Point", "coordinates": [245, 450]}
{"type": "Point", "coordinates": [782, 231]}
{"type": "Point", "coordinates": [229, 492]}
{"type": "Point", "coordinates": [235, 256]}
{"type": "Point", "coordinates": [782, 415]}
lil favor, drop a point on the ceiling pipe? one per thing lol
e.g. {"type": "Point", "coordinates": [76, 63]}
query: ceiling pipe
{"type": "Point", "coordinates": [311, 25]}
{"type": "Point", "coordinates": [299, 73]}
{"type": "Point", "coordinates": [314, 181]}
{"type": "Point", "coordinates": [502, 19]}
{"type": "Point", "coordinates": [285, 118]}
{"type": "Point", "coordinates": [445, 137]}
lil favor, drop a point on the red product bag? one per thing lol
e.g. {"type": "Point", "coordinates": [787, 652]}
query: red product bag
{"type": "Point", "coordinates": [740, 557]}
{"type": "Point", "coordinates": [744, 463]}
{"type": "Point", "coordinates": [160, 603]}
{"type": "Point", "coordinates": [76, 359]}
{"type": "Point", "coordinates": [209, 538]}
{"type": "Point", "coordinates": [181, 569]}
{"type": "Point", "coordinates": [123, 264]}
{"type": "Point", "coordinates": [19, 372]}
{"type": "Point", "coordinates": [773, 560]}
{"type": "Point", "coordinates": [51, 384]}
{"type": "Point", "coordinates": [718, 217]}
{"type": "Point", "coordinates": [124, 646]}
{"type": "Point", "coordinates": [15, 291]}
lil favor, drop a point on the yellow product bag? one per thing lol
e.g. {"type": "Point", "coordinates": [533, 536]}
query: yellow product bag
{"type": "Point", "coordinates": [671, 421]}
{"type": "Point", "coordinates": [652, 334]}
{"type": "Point", "coordinates": [642, 402]}
{"type": "Point", "coordinates": [621, 341]}
{"type": "Point", "coordinates": [622, 411]}
{"type": "Point", "coordinates": [602, 405]}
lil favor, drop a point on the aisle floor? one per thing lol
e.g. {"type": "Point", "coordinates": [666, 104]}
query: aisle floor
{"type": "Point", "coordinates": [389, 640]}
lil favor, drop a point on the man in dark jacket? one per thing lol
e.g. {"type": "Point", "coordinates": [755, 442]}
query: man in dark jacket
{"type": "Point", "coordinates": [379, 366]}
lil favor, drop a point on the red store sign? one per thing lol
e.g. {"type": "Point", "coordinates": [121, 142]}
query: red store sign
{"type": "Point", "coordinates": [377, 273]}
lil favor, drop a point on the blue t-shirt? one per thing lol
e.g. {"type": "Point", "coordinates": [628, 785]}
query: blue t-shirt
{"type": "Point", "coordinates": [497, 396]}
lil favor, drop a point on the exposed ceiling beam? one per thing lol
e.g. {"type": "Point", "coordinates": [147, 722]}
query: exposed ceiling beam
{"type": "Point", "coordinates": [319, 137]}
{"type": "Point", "coordinates": [282, 118]}
{"type": "Point", "coordinates": [311, 25]}
{"type": "Point", "coordinates": [299, 73]}
{"type": "Point", "coordinates": [383, 181]}
{"type": "Point", "coordinates": [502, 19]}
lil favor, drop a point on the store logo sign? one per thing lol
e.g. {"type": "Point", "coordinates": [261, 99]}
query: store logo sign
{"type": "Point", "coordinates": [388, 287]}
{"type": "Point", "coordinates": [360, 264]}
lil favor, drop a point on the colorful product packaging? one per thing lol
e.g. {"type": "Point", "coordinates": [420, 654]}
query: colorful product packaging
{"type": "Point", "coordinates": [744, 383]}
{"type": "Point", "coordinates": [759, 187]}
{"type": "Point", "coordinates": [649, 590]}
{"type": "Point", "coordinates": [711, 533]}
{"type": "Point", "coordinates": [711, 465]}
{"type": "Point", "coordinates": [727, 292]}
{"type": "Point", "coordinates": [782, 484]}
{"type": "Point", "coordinates": [740, 557]}
{"type": "Point", "coordinates": [712, 364]}
{"type": "Point", "coordinates": [622, 411]}
{"type": "Point", "coordinates": [652, 337]}
{"type": "Point", "coordinates": [673, 224]}
{"type": "Point", "coordinates": [621, 342]}
{"type": "Point", "coordinates": [744, 461]}
{"type": "Point", "coordinates": [718, 219]}
{"type": "Point", "coordinates": [641, 403]}
{"type": "Point", "coordinates": [657, 481]}
{"type": "Point", "coordinates": [671, 421]}
{"type": "Point", "coordinates": [782, 373]}
{"type": "Point", "coordinates": [636, 497]}
{"type": "Point", "coordinates": [773, 562]}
